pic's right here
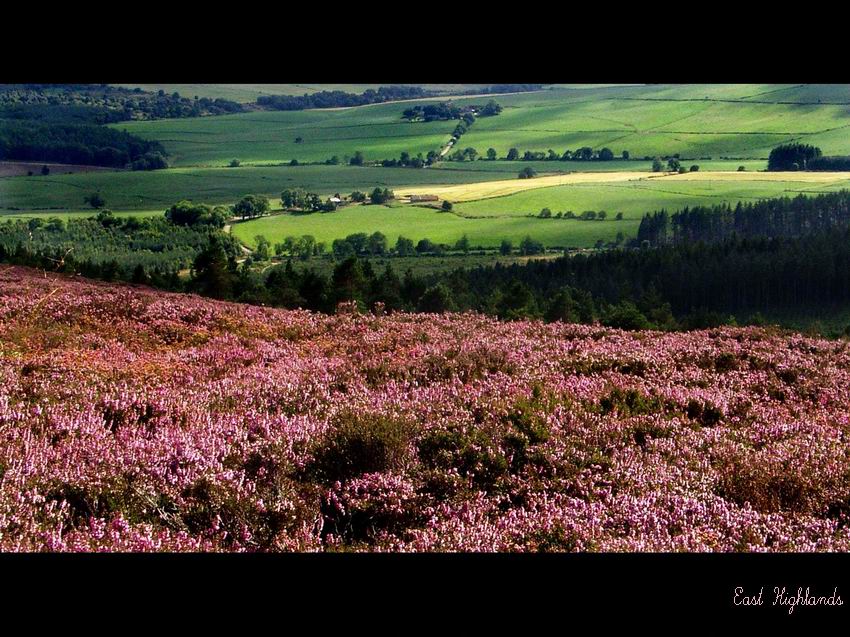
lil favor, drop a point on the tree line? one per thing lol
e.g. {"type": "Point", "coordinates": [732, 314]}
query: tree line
{"type": "Point", "coordinates": [768, 218]}
{"type": "Point", "coordinates": [689, 282]}
{"type": "Point", "coordinates": [105, 101]}
{"type": "Point", "coordinates": [337, 99]}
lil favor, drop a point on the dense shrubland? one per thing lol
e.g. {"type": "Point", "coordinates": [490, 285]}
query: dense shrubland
{"type": "Point", "coordinates": [140, 421]}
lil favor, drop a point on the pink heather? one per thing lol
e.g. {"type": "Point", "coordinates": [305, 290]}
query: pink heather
{"type": "Point", "coordinates": [133, 420]}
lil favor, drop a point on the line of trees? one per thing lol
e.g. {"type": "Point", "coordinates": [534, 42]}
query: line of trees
{"type": "Point", "coordinates": [708, 265]}
{"type": "Point", "coordinates": [769, 218]}
{"type": "Point", "coordinates": [109, 247]}
{"type": "Point", "coordinates": [337, 99]}
{"type": "Point", "coordinates": [103, 103]}
{"type": "Point", "coordinates": [585, 153]}
{"type": "Point", "coordinates": [829, 163]}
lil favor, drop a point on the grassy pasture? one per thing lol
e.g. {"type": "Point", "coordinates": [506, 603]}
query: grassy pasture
{"type": "Point", "coordinates": [503, 187]}
{"type": "Point", "coordinates": [733, 121]}
{"type": "Point", "coordinates": [635, 198]}
{"type": "Point", "coordinates": [161, 188]}
{"type": "Point", "coordinates": [269, 136]}
{"type": "Point", "coordinates": [487, 221]}
{"type": "Point", "coordinates": [511, 168]}
{"type": "Point", "coordinates": [712, 181]}
{"type": "Point", "coordinates": [696, 121]}
{"type": "Point", "coordinates": [418, 223]}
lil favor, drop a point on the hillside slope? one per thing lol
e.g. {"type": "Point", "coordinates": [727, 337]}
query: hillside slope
{"type": "Point", "coordinates": [136, 420]}
{"type": "Point", "coordinates": [695, 121]}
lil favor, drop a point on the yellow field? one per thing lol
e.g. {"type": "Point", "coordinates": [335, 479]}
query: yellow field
{"type": "Point", "coordinates": [500, 188]}
{"type": "Point", "coordinates": [488, 189]}
{"type": "Point", "coordinates": [802, 177]}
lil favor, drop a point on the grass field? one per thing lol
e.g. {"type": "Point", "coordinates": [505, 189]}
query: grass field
{"type": "Point", "coordinates": [696, 121]}
{"type": "Point", "coordinates": [634, 199]}
{"type": "Point", "coordinates": [487, 221]}
{"type": "Point", "coordinates": [703, 122]}
{"type": "Point", "coordinates": [720, 185]}
{"type": "Point", "coordinates": [424, 223]}
{"type": "Point", "coordinates": [161, 188]}
{"type": "Point", "coordinates": [487, 211]}
{"type": "Point", "coordinates": [512, 168]}
{"type": "Point", "coordinates": [270, 136]}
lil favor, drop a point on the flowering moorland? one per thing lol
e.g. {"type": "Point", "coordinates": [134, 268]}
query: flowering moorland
{"type": "Point", "coordinates": [133, 420]}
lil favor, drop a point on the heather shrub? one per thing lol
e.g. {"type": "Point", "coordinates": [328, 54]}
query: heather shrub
{"type": "Point", "coordinates": [213, 508]}
{"type": "Point", "coordinates": [766, 491]}
{"type": "Point", "coordinates": [704, 413]}
{"type": "Point", "coordinates": [629, 402]}
{"type": "Point", "coordinates": [369, 507]}
{"type": "Point", "coordinates": [525, 415]}
{"type": "Point", "coordinates": [268, 430]}
{"type": "Point", "coordinates": [87, 501]}
{"type": "Point", "coordinates": [556, 539]}
{"type": "Point", "coordinates": [471, 452]}
{"type": "Point", "coordinates": [788, 376]}
{"type": "Point", "coordinates": [358, 444]}
{"type": "Point", "coordinates": [725, 362]}
{"type": "Point", "coordinates": [466, 365]}
{"type": "Point", "coordinates": [801, 482]}
{"type": "Point", "coordinates": [528, 428]}
{"type": "Point", "coordinates": [647, 430]}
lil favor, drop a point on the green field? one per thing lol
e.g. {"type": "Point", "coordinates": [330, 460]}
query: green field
{"type": "Point", "coordinates": [634, 199]}
{"type": "Point", "coordinates": [704, 123]}
{"type": "Point", "coordinates": [511, 168]}
{"type": "Point", "coordinates": [696, 121]}
{"type": "Point", "coordinates": [487, 221]}
{"type": "Point", "coordinates": [424, 223]}
{"type": "Point", "coordinates": [270, 136]}
{"type": "Point", "coordinates": [161, 188]}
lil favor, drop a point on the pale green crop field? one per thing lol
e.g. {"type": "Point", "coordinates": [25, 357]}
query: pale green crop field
{"type": "Point", "coordinates": [635, 198]}
{"type": "Point", "coordinates": [424, 223]}
{"type": "Point", "coordinates": [694, 121]}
